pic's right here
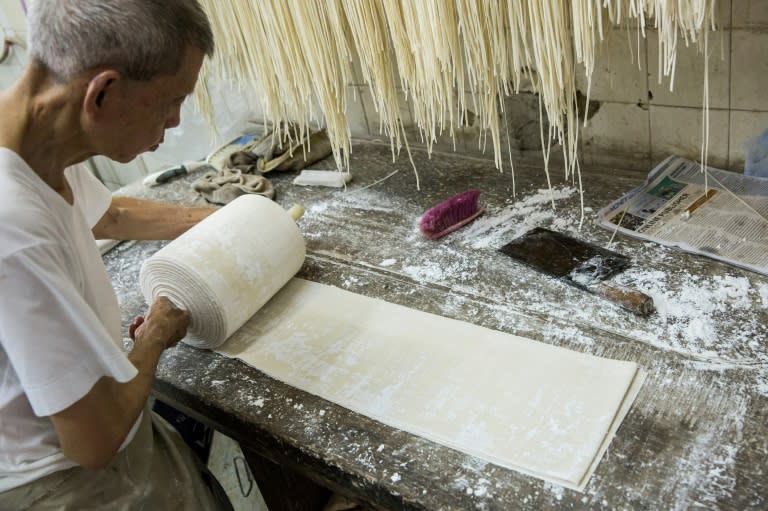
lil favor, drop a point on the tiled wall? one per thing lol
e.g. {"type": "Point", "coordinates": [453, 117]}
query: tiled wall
{"type": "Point", "coordinates": [639, 121]}
{"type": "Point", "coordinates": [641, 118]}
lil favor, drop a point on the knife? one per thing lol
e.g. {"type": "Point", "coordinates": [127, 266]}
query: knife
{"type": "Point", "coordinates": [169, 174]}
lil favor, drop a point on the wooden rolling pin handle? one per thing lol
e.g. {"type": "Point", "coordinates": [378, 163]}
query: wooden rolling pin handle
{"type": "Point", "coordinates": [634, 301]}
{"type": "Point", "coordinates": [296, 211]}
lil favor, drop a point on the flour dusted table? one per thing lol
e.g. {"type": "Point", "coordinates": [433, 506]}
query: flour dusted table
{"type": "Point", "coordinates": [696, 438]}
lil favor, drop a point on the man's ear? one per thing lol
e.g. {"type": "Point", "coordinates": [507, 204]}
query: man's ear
{"type": "Point", "coordinates": [101, 93]}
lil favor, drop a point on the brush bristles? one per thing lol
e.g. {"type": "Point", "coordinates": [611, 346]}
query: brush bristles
{"type": "Point", "coordinates": [449, 215]}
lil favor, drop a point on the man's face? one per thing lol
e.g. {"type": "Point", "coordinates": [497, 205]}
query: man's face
{"type": "Point", "coordinates": [146, 109]}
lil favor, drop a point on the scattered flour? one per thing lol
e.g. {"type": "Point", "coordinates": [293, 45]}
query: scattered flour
{"type": "Point", "coordinates": [762, 386]}
{"type": "Point", "coordinates": [519, 217]}
{"type": "Point", "coordinates": [481, 490]}
{"type": "Point", "coordinates": [366, 200]}
{"type": "Point", "coordinates": [693, 309]}
{"type": "Point", "coordinates": [317, 208]}
{"type": "Point", "coordinates": [351, 281]}
{"type": "Point", "coordinates": [450, 267]}
{"type": "Point", "coordinates": [763, 290]}
{"type": "Point", "coordinates": [555, 490]}
{"type": "Point", "coordinates": [708, 467]}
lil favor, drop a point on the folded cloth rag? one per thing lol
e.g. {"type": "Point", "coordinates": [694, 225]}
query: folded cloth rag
{"type": "Point", "coordinates": [269, 153]}
{"type": "Point", "coordinates": [225, 185]}
{"type": "Point", "coordinates": [282, 149]}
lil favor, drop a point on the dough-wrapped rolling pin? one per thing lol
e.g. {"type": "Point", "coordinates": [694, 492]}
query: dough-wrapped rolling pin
{"type": "Point", "coordinates": [227, 267]}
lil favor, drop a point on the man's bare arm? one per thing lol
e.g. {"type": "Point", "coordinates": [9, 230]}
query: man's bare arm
{"type": "Point", "coordinates": [136, 219]}
{"type": "Point", "coordinates": [92, 429]}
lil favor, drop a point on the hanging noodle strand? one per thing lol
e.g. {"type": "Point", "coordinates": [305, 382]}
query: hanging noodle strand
{"type": "Point", "coordinates": [446, 57]}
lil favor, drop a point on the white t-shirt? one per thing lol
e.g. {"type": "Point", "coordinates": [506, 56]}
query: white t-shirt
{"type": "Point", "coordinates": [59, 317]}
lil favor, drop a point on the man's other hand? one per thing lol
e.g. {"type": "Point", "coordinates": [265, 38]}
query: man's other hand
{"type": "Point", "coordinates": [164, 323]}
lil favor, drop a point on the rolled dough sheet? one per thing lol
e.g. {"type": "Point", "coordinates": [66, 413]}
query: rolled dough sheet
{"type": "Point", "coordinates": [226, 267]}
{"type": "Point", "coordinates": [541, 410]}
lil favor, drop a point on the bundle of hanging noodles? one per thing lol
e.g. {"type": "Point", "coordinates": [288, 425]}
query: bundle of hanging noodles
{"type": "Point", "coordinates": [296, 56]}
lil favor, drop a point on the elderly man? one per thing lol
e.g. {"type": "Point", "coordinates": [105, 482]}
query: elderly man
{"type": "Point", "coordinates": [105, 77]}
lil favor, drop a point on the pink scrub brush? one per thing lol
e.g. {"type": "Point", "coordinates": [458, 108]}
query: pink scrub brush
{"type": "Point", "coordinates": [450, 214]}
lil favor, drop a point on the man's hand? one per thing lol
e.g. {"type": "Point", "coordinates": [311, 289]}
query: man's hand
{"type": "Point", "coordinates": [164, 323]}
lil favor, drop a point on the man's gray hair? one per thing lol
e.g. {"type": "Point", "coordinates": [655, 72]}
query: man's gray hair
{"type": "Point", "coordinates": [141, 39]}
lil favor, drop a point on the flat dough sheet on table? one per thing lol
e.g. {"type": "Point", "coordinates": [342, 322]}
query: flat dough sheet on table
{"type": "Point", "coordinates": [535, 408]}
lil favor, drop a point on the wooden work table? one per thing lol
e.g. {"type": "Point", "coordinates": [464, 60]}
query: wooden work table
{"type": "Point", "coordinates": [696, 437]}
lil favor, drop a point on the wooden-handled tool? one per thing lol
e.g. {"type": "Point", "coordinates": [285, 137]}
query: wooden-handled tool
{"type": "Point", "coordinates": [296, 211]}
{"type": "Point", "coordinates": [579, 264]}
{"type": "Point", "coordinates": [632, 300]}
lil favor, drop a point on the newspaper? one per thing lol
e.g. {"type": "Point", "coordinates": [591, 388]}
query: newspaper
{"type": "Point", "coordinates": [720, 214]}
